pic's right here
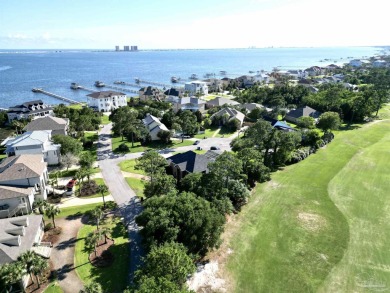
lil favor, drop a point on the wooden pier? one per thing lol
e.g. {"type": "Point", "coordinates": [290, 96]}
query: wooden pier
{"type": "Point", "coordinates": [76, 86]}
{"type": "Point", "coordinates": [164, 85]}
{"type": "Point", "coordinates": [121, 89]}
{"type": "Point", "coordinates": [70, 101]}
{"type": "Point", "coordinates": [127, 83]}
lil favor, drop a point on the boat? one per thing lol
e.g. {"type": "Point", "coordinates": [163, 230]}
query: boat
{"type": "Point", "coordinates": [175, 79]}
{"type": "Point", "coordinates": [74, 86]}
{"type": "Point", "coordinates": [250, 71]}
{"type": "Point", "coordinates": [207, 75]}
{"type": "Point", "coordinates": [99, 84]}
{"type": "Point", "coordinates": [137, 80]}
{"type": "Point", "coordinates": [222, 72]}
{"type": "Point", "coordinates": [36, 90]}
{"type": "Point", "coordinates": [193, 76]}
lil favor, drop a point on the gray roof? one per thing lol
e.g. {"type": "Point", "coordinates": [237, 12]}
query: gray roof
{"type": "Point", "coordinates": [47, 123]}
{"type": "Point", "coordinates": [14, 192]}
{"type": "Point", "coordinates": [232, 113]}
{"type": "Point", "coordinates": [105, 94]}
{"type": "Point", "coordinates": [9, 253]}
{"type": "Point", "coordinates": [303, 112]}
{"type": "Point", "coordinates": [219, 101]}
{"type": "Point", "coordinates": [29, 138]}
{"type": "Point", "coordinates": [193, 162]}
{"type": "Point", "coordinates": [22, 167]}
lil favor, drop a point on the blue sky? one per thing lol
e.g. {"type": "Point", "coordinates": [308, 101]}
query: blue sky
{"type": "Point", "coordinates": [150, 24]}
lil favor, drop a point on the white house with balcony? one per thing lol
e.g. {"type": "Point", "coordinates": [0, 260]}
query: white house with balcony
{"type": "Point", "coordinates": [154, 126]}
{"type": "Point", "coordinates": [25, 171]}
{"type": "Point", "coordinates": [196, 87]}
{"type": "Point", "coordinates": [106, 101]}
{"type": "Point", "coordinates": [34, 142]}
{"type": "Point", "coordinates": [192, 104]}
{"type": "Point", "coordinates": [27, 110]}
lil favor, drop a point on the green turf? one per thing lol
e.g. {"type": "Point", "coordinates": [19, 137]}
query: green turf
{"type": "Point", "coordinates": [128, 166]}
{"type": "Point", "coordinates": [76, 106]}
{"type": "Point", "coordinates": [156, 145]}
{"type": "Point", "coordinates": [75, 211]}
{"type": "Point", "coordinates": [53, 288]}
{"type": "Point", "coordinates": [105, 120]}
{"type": "Point", "coordinates": [137, 185]}
{"type": "Point", "coordinates": [113, 278]}
{"type": "Point", "coordinates": [291, 235]}
{"type": "Point", "coordinates": [209, 132]}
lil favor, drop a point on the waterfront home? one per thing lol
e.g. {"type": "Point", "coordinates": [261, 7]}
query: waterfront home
{"type": "Point", "coordinates": [54, 124]}
{"type": "Point", "coordinates": [314, 71]}
{"type": "Point", "coordinates": [223, 116]}
{"type": "Point", "coordinates": [306, 111]}
{"type": "Point", "coordinates": [379, 63]}
{"type": "Point", "coordinates": [154, 126]}
{"type": "Point", "coordinates": [34, 142]}
{"type": "Point", "coordinates": [358, 62]}
{"type": "Point", "coordinates": [196, 87]}
{"type": "Point", "coordinates": [263, 77]}
{"type": "Point", "coordinates": [214, 84]}
{"type": "Point", "coordinates": [19, 235]}
{"type": "Point", "coordinates": [192, 104]}
{"type": "Point", "coordinates": [182, 164]}
{"type": "Point", "coordinates": [174, 92]}
{"type": "Point", "coordinates": [150, 93]}
{"type": "Point", "coordinates": [29, 110]}
{"type": "Point", "coordinates": [220, 101]}
{"type": "Point", "coordinates": [106, 101]}
{"type": "Point", "coordinates": [296, 73]}
{"type": "Point", "coordinates": [25, 171]}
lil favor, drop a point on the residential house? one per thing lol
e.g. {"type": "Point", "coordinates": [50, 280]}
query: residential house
{"type": "Point", "coordinates": [34, 142]}
{"type": "Point", "coordinates": [379, 63]}
{"type": "Point", "coordinates": [196, 87]}
{"type": "Point", "coordinates": [55, 124]}
{"type": "Point", "coordinates": [314, 71]}
{"type": "Point", "coordinates": [24, 171]}
{"type": "Point", "coordinates": [214, 84]}
{"type": "Point", "coordinates": [106, 101]}
{"type": "Point", "coordinates": [151, 93]}
{"type": "Point", "coordinates": [358, 62]}
{"type": "Point", "coordinates": [249, 107]}
{"type": "Point", "coordinates": [192, 104]}
{"type": "Point", "coordinates": [154, 126]}
{"type": "Point", "coordinates": [296, 73]}
{"type": "Point", "coordinates": [19, 235]}
{"type": "Point", "coordinates": [220, 101]}
{"type": "Point", "coordinates": [183, 164]}
{"type": "Point", "coordinates": [263, 77]}
{"type": "Point", "coordinates": [226, 114]}
{"type": "Point", "coordinates": [29, 110]}
{"type": "Point", "coordinates": [306, 111]}
{"type": "Point", "coordinates": [174, 92]}
{"type": "Point", "coordinates": [279, 125]}
{"type": "Point", "coordinates": [16, 200]}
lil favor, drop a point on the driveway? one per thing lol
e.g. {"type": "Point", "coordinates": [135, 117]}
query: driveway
{"type": "Point", "coordinates": [62, 255]}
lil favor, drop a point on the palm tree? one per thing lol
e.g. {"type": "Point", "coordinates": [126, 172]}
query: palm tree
{"type": "Point", "coordinates": [97, 213]}
{"type": "Point", "coordinates": [91, 241]}
{"type": "Point", "coordinates": [40, 204]}
{"type": "Point", "coordinates": [106, 232]}
{"type": "Point", "coordinates": [11, 273]}
{"type": "Point", "coordinates": [29, 260]}
{"type": "Point", "coordinates": [87, 173]}
{"type": "Point", "coordinates": [41, 265]}
{"type": "Point", "coordinates": [52, 211]}
{"type": "Point", "coordinates": [92, 288]}
{"type": "Point", "coordinates": [103, 189]}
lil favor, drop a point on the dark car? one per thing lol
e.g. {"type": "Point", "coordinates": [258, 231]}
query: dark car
{"type": "Point", "coordinates": [196, 142]}
{"type": "Point", "coordinates": [214, 148]}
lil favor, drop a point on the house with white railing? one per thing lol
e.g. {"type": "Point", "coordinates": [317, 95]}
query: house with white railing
{"type": "Point", "coordinates": [106, 101]}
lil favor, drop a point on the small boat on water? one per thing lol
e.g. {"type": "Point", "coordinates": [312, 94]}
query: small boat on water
{"type": "Point", "coordinates": [250, 71]}
{"type": "Point", "coordinates": [175, 79]}
{"type": "Point", "coordinates": [36, 90]}
{"type": "Point", "coordinates": [222, 72]}
{"type": "Point", "coordinates": [137, 80]}
{"type": "Point", "coordinates": [99, 84]}
{"type": "Point", "coordinates": [207, 75]}
{"type": "Point", "coordinates": [193, 76]}
{"type": "Point", "coordinates": [74, 86]}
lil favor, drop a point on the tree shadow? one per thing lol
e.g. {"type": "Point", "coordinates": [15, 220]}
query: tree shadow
{"type": "Point", "coordinates": [67, 243]}
{"type": "Point", "coordinates": [349, 127]}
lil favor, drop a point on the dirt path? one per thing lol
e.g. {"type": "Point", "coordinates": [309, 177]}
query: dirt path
{"type": "Point", "coordinates": [62, 255]}
{"type": "Point", "coordinates": [134, 175]}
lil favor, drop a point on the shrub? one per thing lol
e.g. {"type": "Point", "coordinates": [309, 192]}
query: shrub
{"type": "Point", "coordinates": [123, 148]}
{"type": "Point", "coordinates": [48, 226]}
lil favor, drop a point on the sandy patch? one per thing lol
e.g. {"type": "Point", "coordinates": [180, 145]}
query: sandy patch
{"type": "Point", "coordinates": [206, 279]}
{"type": "Point", "coordinates": [311, 222]}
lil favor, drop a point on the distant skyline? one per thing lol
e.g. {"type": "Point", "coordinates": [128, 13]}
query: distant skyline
{"type": "Point", "coordinates": [174, 24]}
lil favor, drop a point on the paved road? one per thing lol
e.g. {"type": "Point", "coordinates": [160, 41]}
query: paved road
{"type": "Point", "coordinates": [123, 195]}
{"type": "Point", "coordinates": [62, 255]}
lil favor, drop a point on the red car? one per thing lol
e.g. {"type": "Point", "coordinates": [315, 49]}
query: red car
{"type": "Point", "coordinates": [71, 183]}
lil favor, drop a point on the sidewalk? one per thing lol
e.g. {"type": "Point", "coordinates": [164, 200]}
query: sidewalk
{"type": "Point", "coordinates": [72, 201]}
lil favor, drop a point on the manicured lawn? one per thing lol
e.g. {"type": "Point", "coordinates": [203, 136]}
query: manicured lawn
{"type": "Point", "coordinates": [2, 154]}
{"type": "Point", "coordinates": [116, 141]}
{"type": "Point", "coordinates": [77, 106]}
{"type": "Point", "coordinates": [318, 225]}
{"type": "Point", "coordinates": [137, 185]}
{"type": "Point", "coordinates": [113, 278]}
{"type": "Point", "coordinates": [75, 211]}
{"type": "Point", "coordinates": [105, 120]}
{"type": "Point", "coordinates": [225, 132]}
{"type": "Point", "coordinates": [53, 288]}
{"type": "Point", "coordinates": [208, 132]}
{"type": "Point", "coordinates": [128, 166]}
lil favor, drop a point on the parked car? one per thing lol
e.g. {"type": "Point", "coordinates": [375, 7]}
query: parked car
{"type": "Point", "coordinates": [196, 142]}
{"type": "Point", "coordinates": [71, 184]}
{"type": "Point", "coordinates": [214, 148]}
{"type": "Point", "coordinates": [198, 148]}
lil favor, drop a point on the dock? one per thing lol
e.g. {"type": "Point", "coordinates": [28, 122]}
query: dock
{"type": "Point", "coordinates": [127, 83]}
{"type": "Point", "coordinates": [76, 86]}
{"type": "Point", "coordinates": [164, 85]}
{"type": "Point", "coordinates": [41, 91]}
{"type": "Point", "coordinates": [121, 89]}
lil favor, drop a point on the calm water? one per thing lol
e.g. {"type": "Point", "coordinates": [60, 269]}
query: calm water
{"type": "Point", "coordinates": [54, 71]}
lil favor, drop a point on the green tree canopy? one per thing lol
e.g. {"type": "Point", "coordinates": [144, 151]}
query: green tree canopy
{"type": "Point", "coordinates": [329, 121]}
{"type": "Point", "coordinates": [68, 144]}
{"type": "Point", "coordinates": [152, 163]}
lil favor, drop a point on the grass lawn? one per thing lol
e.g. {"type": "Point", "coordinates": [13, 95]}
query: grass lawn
{"type": "Point", "coordinates": [53, 288]}
{"type": "Point", "coordinates": [128, 166]}
{"type": "Point", "coordinates": [225, 132]}
{"type": "Point", "coordinates": [156, 145]}
{"type": "Point", "coordinates": [77, 106]}
{"type": "Point", "coordinates": [113, 278]}
{"type": "Point", "coordinates": [5, 132]}
{"type": "Point", "coordinates": [2, 155]}
{"type": "Point", "coordinates": [137, 185]}
{"type": "Point", "coordinates": [208, 132]}
{"type": "Point", "coordinates": [105, 120]}
{"type": "Point", "coordinates": [319, 224]}
{"type": "Point", "coordinates": [74, 211]}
